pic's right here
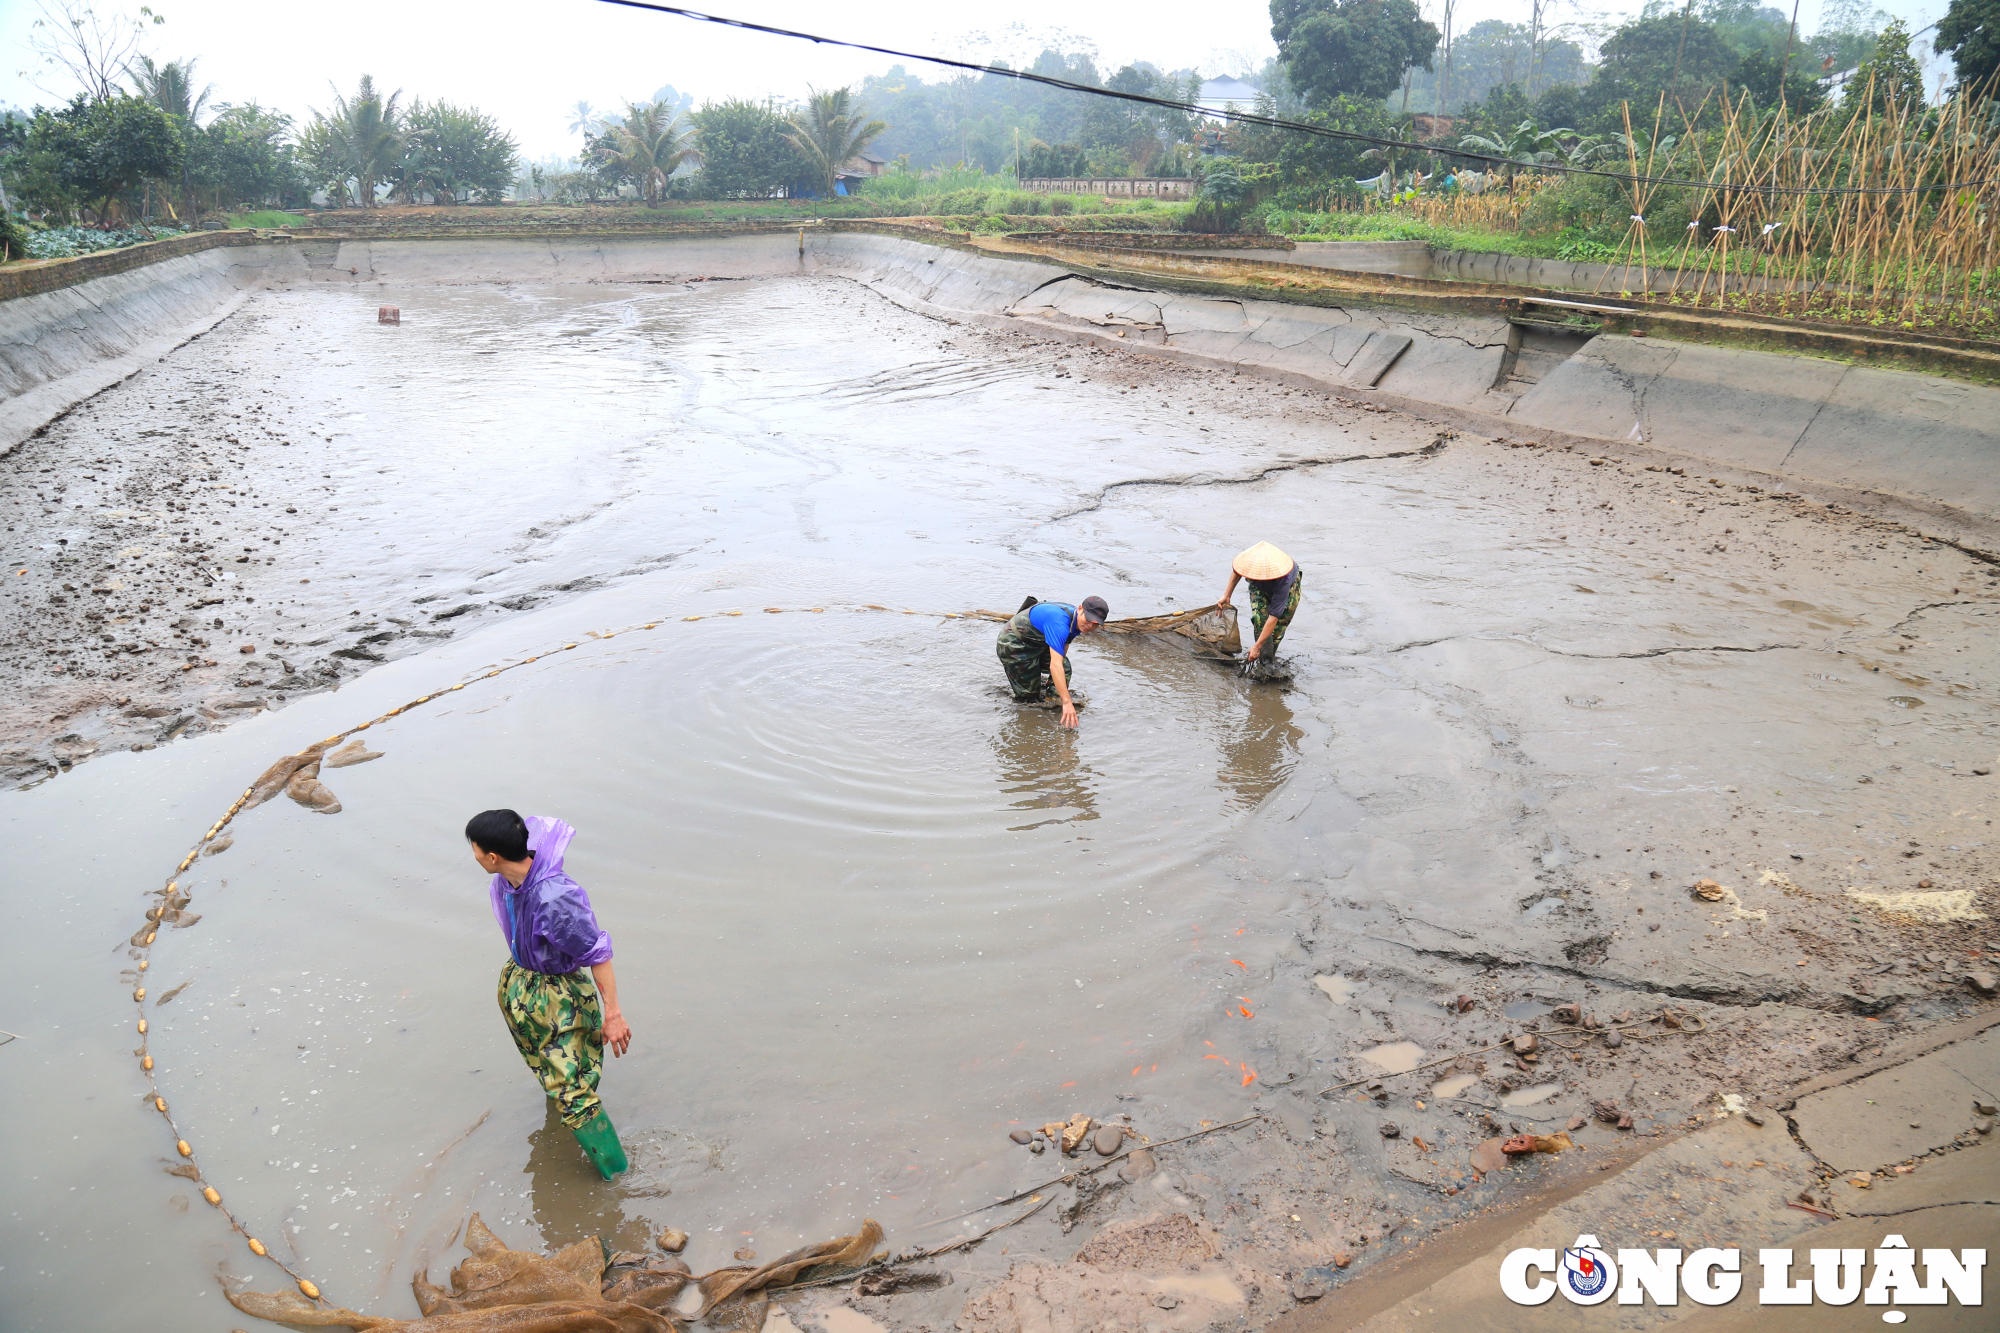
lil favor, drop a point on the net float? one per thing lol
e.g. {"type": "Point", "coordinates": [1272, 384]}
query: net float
{"type": "Point", "coordinates": [311, 1292]}
{"type": "Point", "coordinates": [152, 935]}
{"type": "Point", "coordinates": [208, 1192]}
{"type": "Point", "coordinates": [181, 1145]}
{"type": "Point", "coordinates": [146, 1063]}
{"type": "Point", "coordinates": [139, 995]}
{"type": "Point", "coordinates": [142, 1027]}
{"type": "Point", "coordinates": [154, 913]}
{"type": "Point", "coordinates": [144, 964]}
{"type": "Point", "coordinates": [257, 1247]}
{"type": "Point", "coordinates": [160, 1105]}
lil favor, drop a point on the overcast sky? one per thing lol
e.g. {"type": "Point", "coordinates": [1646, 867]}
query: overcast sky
{"type": "Point", "coordinates": [526, 64]}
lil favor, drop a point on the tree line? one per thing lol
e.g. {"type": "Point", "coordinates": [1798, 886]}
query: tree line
{"type": "Point", "coordinates": [152, 147]}
{"type": "Point", "coordinates": [147, 139]}
{"type": "Point", "coordinates": [1527, 93]}
{"type": "Point", "coordinates": [1388, 50]}
{"type": "Point", "coordinates": [734, 149]}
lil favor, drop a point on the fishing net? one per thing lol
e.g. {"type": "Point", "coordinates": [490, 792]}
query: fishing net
{"type": "Point", "coordinates": [1207, 629]}
{"type": "Point", "coordinates": [578, 1289]}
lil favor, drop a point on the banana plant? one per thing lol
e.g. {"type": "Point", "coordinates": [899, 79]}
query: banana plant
{"type": "Point", "coordinates": [1523, 146]}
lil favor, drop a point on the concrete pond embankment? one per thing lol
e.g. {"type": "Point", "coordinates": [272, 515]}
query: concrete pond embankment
{"type": "Point", "coordinates": [1858, 432]}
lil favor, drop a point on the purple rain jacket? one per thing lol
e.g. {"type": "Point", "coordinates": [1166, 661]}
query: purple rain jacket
{"type": "Point", "coordinates": [547, 921]}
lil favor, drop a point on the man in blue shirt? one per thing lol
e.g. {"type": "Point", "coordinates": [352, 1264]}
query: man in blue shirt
{"type": "Point", "coordinates": [1036, 641]}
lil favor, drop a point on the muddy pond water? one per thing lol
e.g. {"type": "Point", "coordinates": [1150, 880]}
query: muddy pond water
{"type": "Point", "coordinates": [868, 914]}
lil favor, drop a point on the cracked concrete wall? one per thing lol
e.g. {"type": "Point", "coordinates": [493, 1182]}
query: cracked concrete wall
{"type": "Point", "coordinates": [498, 259]}
{"type": "Point", "coordinates": [942, 279]}
{"type": "Point", "coordinates": [1890, 432]}
{"type": "Point", "coordinates": [1931, 441]}
{"type": "Point", "coordinates": [1446, 359]}
{"type": "Point", "coordinates": [57, 348]}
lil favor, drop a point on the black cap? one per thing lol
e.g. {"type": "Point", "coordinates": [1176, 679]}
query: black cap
{"type": "Point", "coordinates": [1094, 609]}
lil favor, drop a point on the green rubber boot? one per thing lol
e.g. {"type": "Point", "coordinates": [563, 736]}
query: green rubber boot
{"type": "Point", "coordinates": [601, 1145]}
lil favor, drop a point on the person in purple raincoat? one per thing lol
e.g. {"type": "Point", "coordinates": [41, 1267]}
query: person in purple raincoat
{"type": "Point", "coordinates": [557, 992]}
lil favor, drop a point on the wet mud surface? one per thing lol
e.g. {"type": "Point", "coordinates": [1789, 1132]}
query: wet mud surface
{"type": "Point", "coordinates": [870, 917]}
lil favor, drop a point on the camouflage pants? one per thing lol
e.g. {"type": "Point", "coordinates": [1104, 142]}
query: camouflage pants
{"type": "Point", "coordinates": [558, 1024]}
{"type": "Point", "coordinates": [1260, 611]}
{"type": "Point", "coordinates": [1025, 664]}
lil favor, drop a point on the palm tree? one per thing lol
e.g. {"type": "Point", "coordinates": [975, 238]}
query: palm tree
{"type": "Point", "coordinates": [170, 87]}
{"type": "Point", "coordinates": [829, 130]}
{"type": "Point", "coordinates": [583, 119]}
{"type": "Point", "coordinates": [653, 141]}
{"type": "Point", "coordinates": [368, 133]}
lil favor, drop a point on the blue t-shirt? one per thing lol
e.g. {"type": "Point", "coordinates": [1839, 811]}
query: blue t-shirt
{"type": "Point", "coordinates": [1054, 622]}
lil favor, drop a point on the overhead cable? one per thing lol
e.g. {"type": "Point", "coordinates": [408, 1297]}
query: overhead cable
{"type": "Point", "coordinates": [1277, 123]}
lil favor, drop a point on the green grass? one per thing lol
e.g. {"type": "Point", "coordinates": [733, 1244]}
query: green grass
{"type": "Point", "coordinates": [267, 217]}
{"type": "Point", "coordinates": [1387, 226]}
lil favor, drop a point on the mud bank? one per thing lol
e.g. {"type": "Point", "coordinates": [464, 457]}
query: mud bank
{"type": "Point", "coordinates": [1889, 440]}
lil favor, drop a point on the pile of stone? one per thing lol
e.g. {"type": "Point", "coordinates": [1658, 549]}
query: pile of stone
{"type": "Point", "coordinates": [1069, 1137]}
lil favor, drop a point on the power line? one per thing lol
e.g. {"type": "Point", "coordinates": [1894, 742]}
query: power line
{"type": "Point", "coordinates": [1277, 123]}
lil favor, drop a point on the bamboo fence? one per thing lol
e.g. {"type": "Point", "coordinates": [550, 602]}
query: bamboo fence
{"type": "Point", "coordinates": [1885, 217]}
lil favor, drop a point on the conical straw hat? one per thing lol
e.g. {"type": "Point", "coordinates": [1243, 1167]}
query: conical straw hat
{"type": "Point", "coordinates": [1263, 561]}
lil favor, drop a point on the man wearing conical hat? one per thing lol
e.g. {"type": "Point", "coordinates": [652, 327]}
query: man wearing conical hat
{"type": "Point", "coordinates": [1274, 579]}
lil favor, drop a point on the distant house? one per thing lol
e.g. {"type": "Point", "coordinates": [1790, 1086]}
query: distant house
{"type": "Point", "coordinates": [1220, 94]}
{"type": "Point", "coordinates": [857, 169]}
